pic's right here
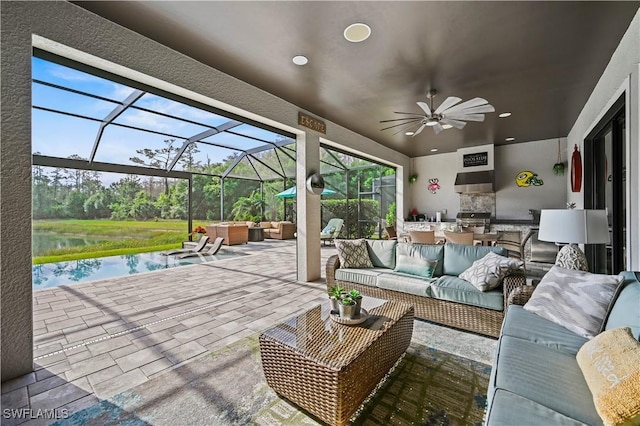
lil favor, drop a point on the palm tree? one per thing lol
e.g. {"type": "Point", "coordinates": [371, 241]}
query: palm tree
{"type": "Point", "coordinates": [248, 208]}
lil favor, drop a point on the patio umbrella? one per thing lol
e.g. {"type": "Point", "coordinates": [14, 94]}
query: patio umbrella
{"type": "Point", "coordinates": [291, 192]}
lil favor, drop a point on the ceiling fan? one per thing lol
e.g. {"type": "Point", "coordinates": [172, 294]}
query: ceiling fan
{"type": "Point", "coordinates": [451, 113]}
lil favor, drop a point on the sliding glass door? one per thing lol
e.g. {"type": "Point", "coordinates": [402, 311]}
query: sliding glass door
{"type": "Point", "coordinates": [605, 179]}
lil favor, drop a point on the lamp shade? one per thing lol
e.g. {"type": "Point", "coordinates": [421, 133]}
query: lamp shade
{"type": "Point", "coordinates": [574, 226]}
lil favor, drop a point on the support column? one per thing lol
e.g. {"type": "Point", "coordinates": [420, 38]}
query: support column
{"type": "Point", "coordinates": [16, 294]}
{"type": "Point", "coordinates": [308, 208]}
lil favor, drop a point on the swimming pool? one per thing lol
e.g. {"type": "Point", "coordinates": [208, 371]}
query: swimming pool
{"type": "Point", "coordinates": [77, 271]}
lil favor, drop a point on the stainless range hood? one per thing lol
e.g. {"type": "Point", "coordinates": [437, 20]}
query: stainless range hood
{"type": "Point", "coordinates": [470, 182]}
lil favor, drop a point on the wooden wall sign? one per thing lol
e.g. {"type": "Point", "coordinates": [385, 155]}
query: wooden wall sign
{"type": "Point", "coordinates": [312, 123]}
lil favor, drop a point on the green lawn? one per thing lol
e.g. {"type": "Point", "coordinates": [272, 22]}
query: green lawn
{"type": "Point", "coordinates": [119, 237]}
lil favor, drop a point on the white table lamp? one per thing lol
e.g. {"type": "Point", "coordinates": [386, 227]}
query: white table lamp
{"type": "Point", "coordinates": [571, 227]}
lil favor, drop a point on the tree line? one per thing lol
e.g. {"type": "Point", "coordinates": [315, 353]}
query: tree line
{"type": "Point", "coordinates": [60, 193]}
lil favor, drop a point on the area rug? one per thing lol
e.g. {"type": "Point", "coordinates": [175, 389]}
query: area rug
{"type": "Point", "coordinates": [227, 387]}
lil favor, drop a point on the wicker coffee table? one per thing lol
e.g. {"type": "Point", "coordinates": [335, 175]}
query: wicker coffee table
{"type": "Point", "coordinates": [327, 368]}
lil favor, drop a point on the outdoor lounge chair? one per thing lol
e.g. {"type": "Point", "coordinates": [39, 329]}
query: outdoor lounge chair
{"type": "Point", "coordinates": [332, 230]}
{"type": "Point", "coordinates": [199, 247]}
{"type": "Point", "coordinates": [211, 251]}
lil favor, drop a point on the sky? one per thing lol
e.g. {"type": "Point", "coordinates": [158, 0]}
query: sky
{"type": "Point", "coordinates": [59, 135]}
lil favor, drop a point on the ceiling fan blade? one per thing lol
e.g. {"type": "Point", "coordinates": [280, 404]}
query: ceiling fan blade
{"type": "Point", "coordinates": [437, 128]}
{"type": "Point", "coordinates": [401, 124]}
{"type": "Point", "coordinates": [400, 119]}
{"type": "Point", "coordinates": [473, 110]}
{"type": "Point", "coordinates": [468, 104]}
{"type": "Point", "coordinates": [466, 117]}
{"type": "Point", "coordinates": [420, 129]}
{"type": "Point", "coordinates": [448, 103]}
{"type": "Point", "coordinates": [455, 123]}
{"type": "Point", "coordinates": [412, 125]}
{"type": "Point", "coordinates": [409, 113]}
{"type": "Point", "coordinates": [424, 107]}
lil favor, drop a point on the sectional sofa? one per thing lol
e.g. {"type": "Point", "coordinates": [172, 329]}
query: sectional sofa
{"type": "Point", "coordinates": [444, 298]}
{"type": "Point", "coordinates": [282, 230]}
{"type": "Point", "coordinates": [536, 378]}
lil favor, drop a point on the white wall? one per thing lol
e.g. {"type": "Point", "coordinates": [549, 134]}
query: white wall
{"type": "Point", "coordinates": [622, 76]}
{"type": "Point", "coordinates": [512, 202]}
{"type": "Point", "coordinates": [444, 168]}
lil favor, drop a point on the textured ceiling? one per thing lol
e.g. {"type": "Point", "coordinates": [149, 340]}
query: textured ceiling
{"type": "Point", "coordinates": [538, 60]}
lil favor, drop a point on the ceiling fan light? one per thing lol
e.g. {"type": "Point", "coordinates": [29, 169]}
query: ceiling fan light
{"type": "Point", "coordinates": [408, 133]}
{"type": "Point", "coordinates": [446, 126]}
{"type": "Point", "coordinates": [431, 122]}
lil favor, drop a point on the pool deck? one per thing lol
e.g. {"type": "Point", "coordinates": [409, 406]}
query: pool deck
{"type": "Point", "coordinates": [100, 338]}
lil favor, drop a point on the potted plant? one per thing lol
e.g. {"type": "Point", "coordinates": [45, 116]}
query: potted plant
{"type": "Point", "coordinates": [335, 294]}
{"type": "Point", "coordinates": [558, 168]}
{"type": "Point", "coordinates": [197, 233]}
{"type": "Point", "coordinates": [356, 297]}
{"type": "Point", "coordinates": [347, 307]}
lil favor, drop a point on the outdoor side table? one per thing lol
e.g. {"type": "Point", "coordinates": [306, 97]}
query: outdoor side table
{"type": "Point", "coordinates": [256, 234]}
{"type": "Point", "coordinates": [327, 368]}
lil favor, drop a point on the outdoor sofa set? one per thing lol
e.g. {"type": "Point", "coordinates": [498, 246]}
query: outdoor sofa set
{"type": "Point", "coordinates": [393, 270]}
{"type": "Point", "coordinates": [566, 358]}
{"type": "Point", "coordinates": [568, 350]}
{"type": "Point", "coordinates": [238, 232]}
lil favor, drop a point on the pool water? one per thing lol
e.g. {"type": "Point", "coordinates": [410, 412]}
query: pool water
{"type": "Point", "coordinates": [78, 271]}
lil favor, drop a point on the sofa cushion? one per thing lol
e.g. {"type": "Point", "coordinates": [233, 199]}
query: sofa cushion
{"type": "Point", "coordinates": [526, 325]}
{"type": "Point", "coordinates": [458, 290]}
{"type": "Point", "coordinates": [509, 409]}
{"type": "Point", "coordinates": [545, 376]}
{"type": "Point", "coordinates": [353, 254]}
{"type": "Point", "coordinates": [624, 310]}
{"type": "Point", "coordinates": [405, 283]}
{"type": "Point", "coordinates": [459, 257]}
{"type": "Point", "coordinates": [382, 253]}
{"type": "Point", "coordinates": [426, 251]}
{"type": "Point", "coordinates": [610, 363]}
{"type": "Point", "coordinates": [487, 273]}
{"type": "Point", "coordinates": [411, 260]}
{"type": "Point", "coordinates": [576, 300]}
{"type": "Point", "coordinates": [328, 229]}
{"type": "Point", "coordinates": [360, 276]}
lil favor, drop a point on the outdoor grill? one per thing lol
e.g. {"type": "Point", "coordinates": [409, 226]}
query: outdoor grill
{"type": "Point", "coordinates": [474, 219]}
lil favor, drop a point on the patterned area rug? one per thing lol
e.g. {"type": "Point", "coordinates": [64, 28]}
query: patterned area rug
{"type": "Point", "coordinates": [427, 387]}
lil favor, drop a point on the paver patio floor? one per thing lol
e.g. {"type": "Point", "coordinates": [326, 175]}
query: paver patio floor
{"type": "Point", "coordinates": [97, 339]}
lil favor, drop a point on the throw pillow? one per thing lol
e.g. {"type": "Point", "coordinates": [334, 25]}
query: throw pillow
{"type": "Point", "coordinates": [353, 254]}
{"type": "Point", "coordinates": [411, 260]}
{"type": "Point", "coordinates": [610, 364]}
{"type": "Point", "coordinates": [487, 273]}
{"type": "Point", "coordinates": [328, 229]}
{"type": "Point", "coordinates": [576, 300]}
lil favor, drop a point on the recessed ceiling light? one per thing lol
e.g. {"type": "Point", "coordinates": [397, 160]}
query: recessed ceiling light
{"type": "Point", "coordinates": [510, 139]}
{"type": "Point", "coordinates": [504, 115]}
{"type": "Point", "coordinates": [434, 149]}
{"type": "Point", "coordinates": [357, 32]}
{"type": "Point", "coordinates": [300, 60]}
{"type": "Point", "coordinates": [446, 126]}
{"type": "Point", "coordinates": [408, 133]}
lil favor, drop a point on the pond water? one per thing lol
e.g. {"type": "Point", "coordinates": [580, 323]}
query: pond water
{"type": "Point", "coordinates": [78, 271]}
{"type": "Point", "coordinates": [44, 242]}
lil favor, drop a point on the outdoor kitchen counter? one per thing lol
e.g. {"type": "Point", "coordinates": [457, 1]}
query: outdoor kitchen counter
{"type": "Point", "coordinates": [496, 225]}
